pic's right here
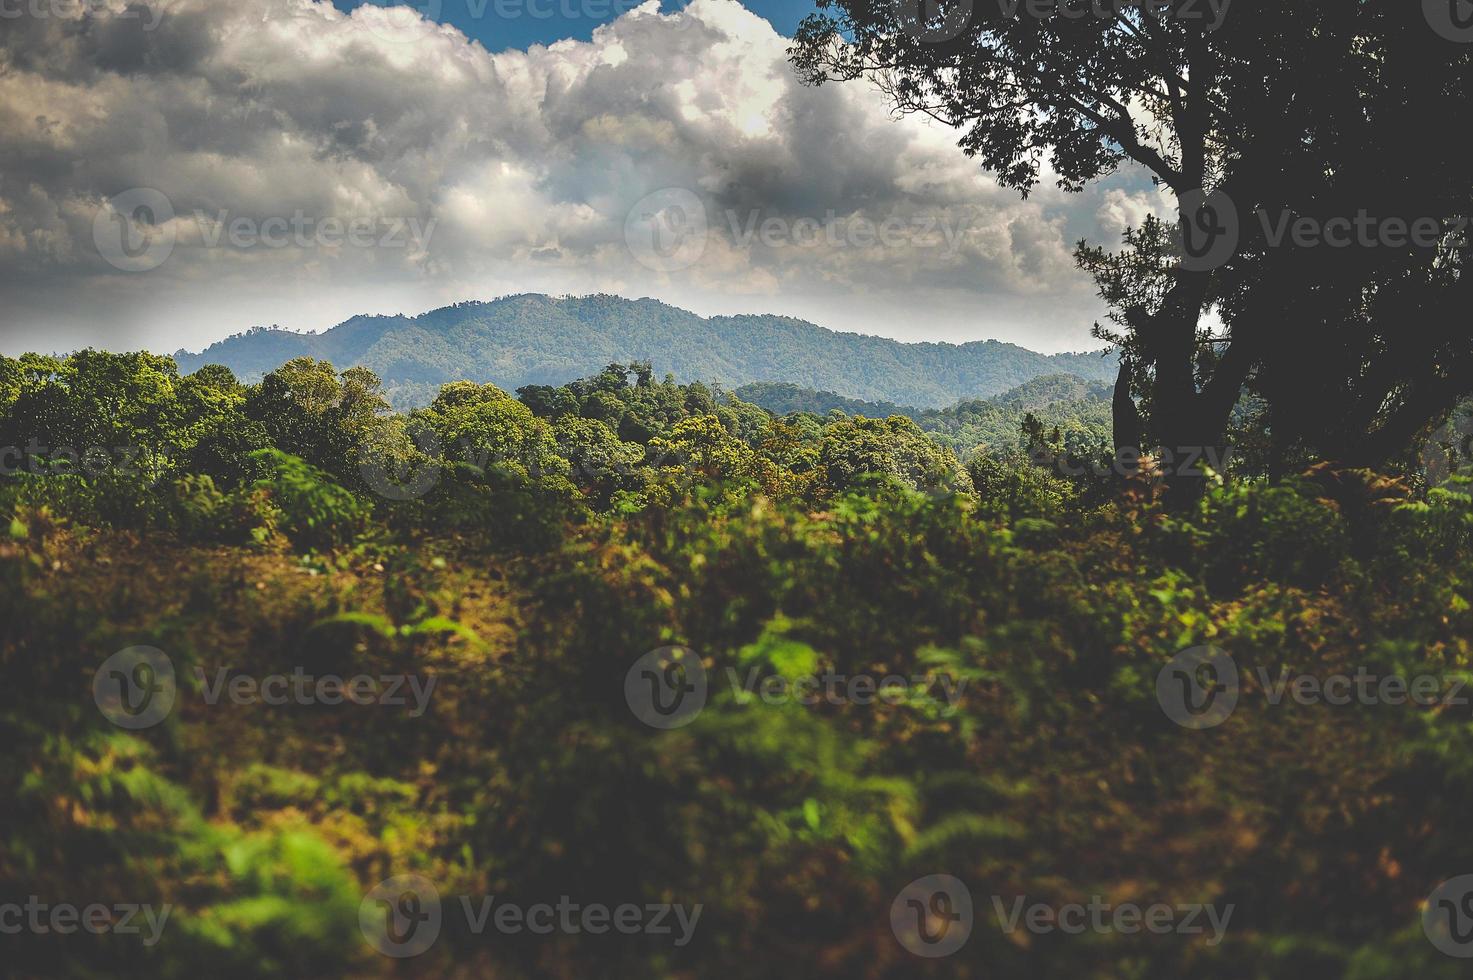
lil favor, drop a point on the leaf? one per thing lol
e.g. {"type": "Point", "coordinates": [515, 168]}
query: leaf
{"type": "Point", "coordinates": [372, 621]}
{"type": "Point", "coordinates": [441, 624]}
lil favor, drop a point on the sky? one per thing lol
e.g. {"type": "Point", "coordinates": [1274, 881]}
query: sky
{"type": "Point", "coordinates": [174, 174]}
{"type": "Point", "coordinates": [506, 24]}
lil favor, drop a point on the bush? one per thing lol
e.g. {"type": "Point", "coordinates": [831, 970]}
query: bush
{"type": "Point", "coordinates": [316, 513]}
{"type": "Point", "coordinates": [202, 513]}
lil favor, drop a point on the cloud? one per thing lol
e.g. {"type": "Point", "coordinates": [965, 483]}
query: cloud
{"type": "Point", "coordinates": [272, 129]}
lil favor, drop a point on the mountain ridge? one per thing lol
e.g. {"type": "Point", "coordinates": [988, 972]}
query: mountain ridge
{"type": "Point", "coordinates": [532, 338]}
{"type": "Point", "coordinates": [1043, 392]}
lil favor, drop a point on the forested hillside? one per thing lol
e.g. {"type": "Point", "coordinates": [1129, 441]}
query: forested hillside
{"type": "Point", "coordinates": [784, 397]}
{"type": "Point", "coordinates": [535, 339]}
{"type": "Point", "coordinates": [1078, 409]}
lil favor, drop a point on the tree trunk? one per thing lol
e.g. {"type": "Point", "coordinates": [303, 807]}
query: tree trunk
{"type": "Point", "coordinates": [1126, 417]}
{"type": "Point", "coordinates": [1191, 424]}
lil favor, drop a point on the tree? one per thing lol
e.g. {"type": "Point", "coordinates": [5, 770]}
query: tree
{"type": "Point", "coordinates": [124, 407]}
{"type": "Point", "coordinates": [1244, 114]}
{"type": "Point", "coordinates": [547, 402]}
{"type": "Point", "coordinates": [223, 440]}
{"type": "Point", "coordinates": [484, 426]}
{"type": "Point", "coordinates": [600, 463]}
{"type": "Point", "coordinates": [95, 398]}
{"type": "Point", "coordinates": [701, 446]}
{"type": "Point", "coordinates": [853, 448]}
{"type": "Point", "coordinates": [309, 410]}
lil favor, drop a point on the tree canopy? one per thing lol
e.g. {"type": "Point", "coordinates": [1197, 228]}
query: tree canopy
{"type": "Point", "coordinates": [1246, 115]}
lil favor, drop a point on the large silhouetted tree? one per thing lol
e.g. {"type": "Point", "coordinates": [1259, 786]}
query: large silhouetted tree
{"type": "Point", "coordinates": [1247, 114]}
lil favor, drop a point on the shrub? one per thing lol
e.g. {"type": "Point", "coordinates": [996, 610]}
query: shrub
{"type": "Point", "coordinates": [316, 513]}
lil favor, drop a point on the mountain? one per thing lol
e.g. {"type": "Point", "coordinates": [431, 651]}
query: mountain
{"type": "Point", "coordinates": [784, 397]}
{"type": "Point", "coordinates": [1073, 405]}
{"type": "Point", "coordinates": [1052, 391]}
{"type": "Point", "coordinates": [1067, 401]}
{"type": "Point", "coordinates": [536, 339]}
{"type": "Point", "coordinates": [1055, 391]}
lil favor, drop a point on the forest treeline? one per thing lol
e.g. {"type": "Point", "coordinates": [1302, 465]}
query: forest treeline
{"type": "Point", "coordinates": [207, 454]}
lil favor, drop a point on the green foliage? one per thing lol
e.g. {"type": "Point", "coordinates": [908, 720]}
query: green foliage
{"type": "Point", "coordinates": [1010, 487]}
{"type": "Point", "coordinates": [315, 511]}
{"type": "Point", "coordinates": [895, 447]}
{"type": "Point", "coordinates": [1284, 534]}
{"type": "Point", "coordinates": [1079, 408]}
{"type": "Point", "coordinates": [786, 398]}
{"type": "Point", "coordinates": [306, 408]}
{"type": "Point", "coordinates": [201, 512]}
{"type": "Point", "coordinates": [1024, 619]}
